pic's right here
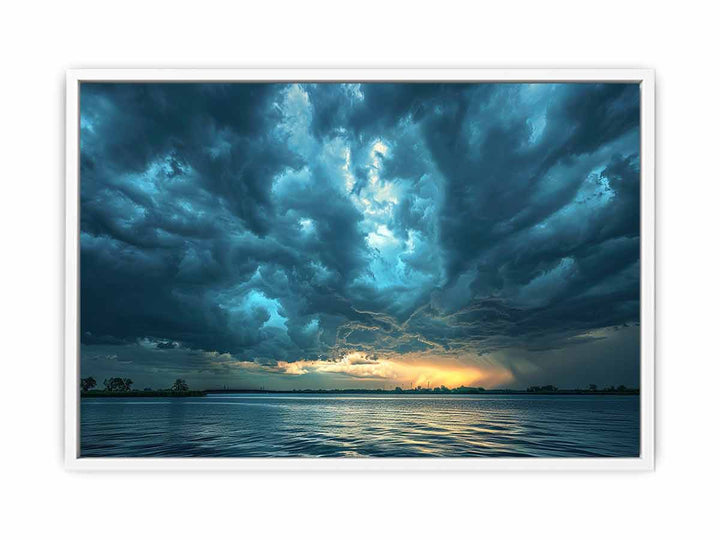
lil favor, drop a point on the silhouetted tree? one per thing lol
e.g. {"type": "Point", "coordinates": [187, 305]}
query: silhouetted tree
{"type": "Point", "coordinates": [87, 383]}
{"type": "Point", "coordinates": [546, 388]}
{"type": "Point", "coordinates": [180, 386]}
{"type": "Point", "coordinates": [117, 384]}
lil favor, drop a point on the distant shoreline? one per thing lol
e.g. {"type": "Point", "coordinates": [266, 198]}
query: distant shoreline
{"type": "Point", "coordinates": [143, 393]}
{"type": "Point", "coordinates": [632, 391]}
{"type": "Point", "coordinates": [469, 391]}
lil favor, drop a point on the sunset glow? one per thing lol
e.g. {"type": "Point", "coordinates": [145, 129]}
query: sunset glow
{"type": "Point", "coordinates": [414, 370]}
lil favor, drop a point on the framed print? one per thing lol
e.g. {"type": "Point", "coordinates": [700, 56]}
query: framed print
{"type": "Point", "coordinates": [360, 269]}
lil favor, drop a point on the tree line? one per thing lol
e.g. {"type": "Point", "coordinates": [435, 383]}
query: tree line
{"type": "Point", "coordinates": [591, 388]}
{"type": "Point", "coordinates": [120, 384]}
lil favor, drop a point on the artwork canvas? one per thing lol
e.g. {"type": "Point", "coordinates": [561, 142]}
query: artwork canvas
{"type": "Point", "coordinates": [349, 270]}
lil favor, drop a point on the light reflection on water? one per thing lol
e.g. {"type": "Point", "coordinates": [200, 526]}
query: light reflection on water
{"type": "Point", "coordinates": [254, 425]}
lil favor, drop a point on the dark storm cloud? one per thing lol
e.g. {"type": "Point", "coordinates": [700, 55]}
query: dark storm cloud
{"type": "Point", "coordinates": [289, 222]}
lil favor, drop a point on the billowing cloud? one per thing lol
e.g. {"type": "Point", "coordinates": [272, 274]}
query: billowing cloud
{"type": "Point", "coordinates": [231, 230]}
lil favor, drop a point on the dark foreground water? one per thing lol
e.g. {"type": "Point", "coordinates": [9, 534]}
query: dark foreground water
{"type": "Point", "coordinates": [248, 425]}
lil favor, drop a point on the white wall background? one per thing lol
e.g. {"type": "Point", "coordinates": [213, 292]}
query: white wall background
{"type": "Point", "coordinates": [40, 40]}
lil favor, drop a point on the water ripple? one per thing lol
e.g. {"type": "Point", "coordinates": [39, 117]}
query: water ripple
{"type": "Point", "coordinates": [361, 426]}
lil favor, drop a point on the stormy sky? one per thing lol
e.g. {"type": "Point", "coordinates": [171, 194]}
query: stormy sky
{"type": "Point", "coordinates": [360, 235]}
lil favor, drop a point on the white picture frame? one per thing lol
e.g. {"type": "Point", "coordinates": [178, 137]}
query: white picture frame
{"type": "Point", "coordinates": [644, 77]}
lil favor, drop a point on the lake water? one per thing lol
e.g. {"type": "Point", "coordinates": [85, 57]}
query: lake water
{"type": "Point", "coordinates": [286, 425]}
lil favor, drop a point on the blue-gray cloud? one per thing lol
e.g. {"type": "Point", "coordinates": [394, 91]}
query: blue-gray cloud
{"type": "Point", "coordinates": [278, 222]}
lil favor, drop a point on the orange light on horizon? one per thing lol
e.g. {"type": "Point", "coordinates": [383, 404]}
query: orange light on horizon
{"type": "Point", "coordinates": [417, 369]}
